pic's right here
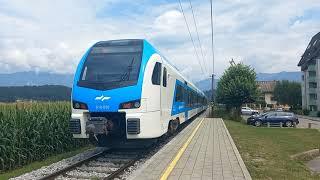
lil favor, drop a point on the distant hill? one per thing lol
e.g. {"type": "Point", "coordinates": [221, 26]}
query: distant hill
{"type": "Point", "coordinates": [205, 84]}
{"type": "Point", "coordinates": [35, 79]}
{"type": "Point", "coordinates": [291, 76]}
{"type": "Point", "coordinates": [37, 93]}
{"type": "Point", "coordinates": [45, 78]}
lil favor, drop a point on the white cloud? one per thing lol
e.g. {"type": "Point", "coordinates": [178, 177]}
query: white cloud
{"type": "Point", "coordinates": [53, 35]}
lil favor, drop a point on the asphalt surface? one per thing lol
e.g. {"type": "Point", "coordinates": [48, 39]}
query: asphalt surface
{"type": "Point", "coordinates": [314, 165]}
{"type": "Point", "coordinates": [303, 122]}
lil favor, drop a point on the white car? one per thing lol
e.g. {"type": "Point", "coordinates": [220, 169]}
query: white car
{"type": "Point", "coordinates": [248, 111]}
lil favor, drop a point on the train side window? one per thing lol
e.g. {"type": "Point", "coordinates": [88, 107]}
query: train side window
{"type": "Point", "coordinates": [156, 74]}
{"type": "Point", "coordinates": [179, 94]}
{"type": "Point", "coordinates": [164, 78]}
{"type": "Point", "coordinates": [189, 98]}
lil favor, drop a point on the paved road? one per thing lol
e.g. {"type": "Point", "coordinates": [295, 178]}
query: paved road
{"type": "Point", "coordinates": [303, 123]}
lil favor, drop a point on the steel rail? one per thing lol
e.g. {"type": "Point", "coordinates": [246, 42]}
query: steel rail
{"type": "Point", "coordinates": [72, 166]}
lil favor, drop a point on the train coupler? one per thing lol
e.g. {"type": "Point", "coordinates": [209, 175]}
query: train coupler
{"type": "Point", "coordinates": [99, 125]}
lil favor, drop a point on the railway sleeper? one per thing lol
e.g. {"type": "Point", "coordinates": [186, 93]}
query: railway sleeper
{"type": "Point", "coordinates": [98, 169]}
{"type": "Point", "coordinates": [85, 175]}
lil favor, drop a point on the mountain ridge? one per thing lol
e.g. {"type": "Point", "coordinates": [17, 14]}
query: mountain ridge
{"type": "Point", "coordinates": [283, 75]}
{"type": "Point", "coordinates": [31, 78]}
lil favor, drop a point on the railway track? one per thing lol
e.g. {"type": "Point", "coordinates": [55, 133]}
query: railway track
{"type": "Point", "coordinates": [107, 164]}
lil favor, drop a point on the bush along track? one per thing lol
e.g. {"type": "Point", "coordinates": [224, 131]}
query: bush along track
{"type": "Point", "coordinates": [33, 131]}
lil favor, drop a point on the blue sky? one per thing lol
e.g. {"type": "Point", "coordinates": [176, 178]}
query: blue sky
{"type": "Point", "coordinates": [269, 35]}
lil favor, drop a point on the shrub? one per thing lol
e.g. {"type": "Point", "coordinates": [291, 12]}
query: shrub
{"type": "Point", "coordinates": [306, 112]}
{"type": "Point", "coordinates": [221, 112]}
{"type": "Point", "coordinates": [298, 111]}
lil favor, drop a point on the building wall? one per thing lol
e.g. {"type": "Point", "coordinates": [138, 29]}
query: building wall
{"type": "Point", "coordinates": [318, 82]}
{"type": "Point", "coordinates": [310, 95]}
{"type": "Point", "coordinates": [267, 98]}
{"type": "Point", "coordinates": [304, 89]}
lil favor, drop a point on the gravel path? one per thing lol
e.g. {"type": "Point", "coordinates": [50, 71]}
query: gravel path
{"type": "Point", "coordinates": [37, 174]}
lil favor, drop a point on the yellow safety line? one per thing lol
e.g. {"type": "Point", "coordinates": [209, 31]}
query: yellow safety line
{"type": "Point", "coordinates": [174, 162]}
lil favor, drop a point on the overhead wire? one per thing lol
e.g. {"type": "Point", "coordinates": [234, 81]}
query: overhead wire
{"type": "Point", "coordinates": [198, 37]}
{"type": "Point", "coordinates": [195, 49]}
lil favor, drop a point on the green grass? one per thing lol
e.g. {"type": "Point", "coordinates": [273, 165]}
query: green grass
{"type": "Point", "coordinates": [38, 164]}
{"type": "Point", "coordinates": [266, 151]}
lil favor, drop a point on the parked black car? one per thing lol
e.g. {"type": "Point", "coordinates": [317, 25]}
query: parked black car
{"type": "Point", "coordinates": [287, 118]}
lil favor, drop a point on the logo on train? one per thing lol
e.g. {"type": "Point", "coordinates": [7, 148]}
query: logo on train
{"type": "Point", "coordinates": [102, 98]}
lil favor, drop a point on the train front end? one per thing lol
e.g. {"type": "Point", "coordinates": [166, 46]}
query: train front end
{"type": "Point", "coordinates": [106, 94]}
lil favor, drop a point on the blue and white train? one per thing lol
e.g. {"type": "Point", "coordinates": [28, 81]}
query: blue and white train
{"type": "Point", "coordinates": [126, 90]}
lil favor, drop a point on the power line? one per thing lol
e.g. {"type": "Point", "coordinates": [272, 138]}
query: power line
{"type": "Point", "coordinates": [195, 24]}
{"type": "Point", "coordinates": [185, 19]}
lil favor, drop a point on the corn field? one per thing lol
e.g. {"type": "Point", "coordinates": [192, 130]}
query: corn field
{"type": "Point", "coordinates": [34, 131]}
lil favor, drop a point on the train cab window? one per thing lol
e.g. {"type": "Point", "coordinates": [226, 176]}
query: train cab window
{"type": "Point", "coordinates": [156, 74]}
{"type": "Point", "coordinates": [164, 78]}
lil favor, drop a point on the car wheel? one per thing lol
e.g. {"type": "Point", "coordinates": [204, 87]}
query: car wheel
{"type": "Point", "coordinates": [257, 123]}
{"type": "Point", "coordinates": [288, 123]}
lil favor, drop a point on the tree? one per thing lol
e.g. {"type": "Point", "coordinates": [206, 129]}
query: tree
{"type": "Point", "coordinates": [38, 93]}
{"type": "Point", "coordinates": [237, 86]}
{"type": "Point", "coordinates": [288, 92]}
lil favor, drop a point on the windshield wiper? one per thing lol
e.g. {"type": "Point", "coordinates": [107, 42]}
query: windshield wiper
{"type": "Point", "coordinates": [126, 76]}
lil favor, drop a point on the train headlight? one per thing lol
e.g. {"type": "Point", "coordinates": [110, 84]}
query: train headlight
{"type": "Point", "coordinates": [130, 104]}
{"type": "Point", "coordinates": [137, 104]}
{"type": "Point", "coordinates": [79, 105]}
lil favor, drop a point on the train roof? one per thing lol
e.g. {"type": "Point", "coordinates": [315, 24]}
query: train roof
{"type": "Point", "coordinates": [123, 42]}
{"type": "Point", "coordinates": [175, 68]}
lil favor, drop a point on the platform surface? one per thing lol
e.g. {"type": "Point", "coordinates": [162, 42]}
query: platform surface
{"type": "Point", "coordinates": [211, 154]}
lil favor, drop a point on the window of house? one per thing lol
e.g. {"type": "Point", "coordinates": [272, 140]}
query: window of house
{"type": "Point", "coordinates": [312, 73]}
{"type": "Point", "coordinates": [156, 74]}
{"type": "Point", "coordinates": [313, 108]}
{"type": "Point", "coordinates": [273, 98]}
{"type": "Point", "coordinates": [313, 96]}
{"type": "Point", "coordinates": [312, 85]}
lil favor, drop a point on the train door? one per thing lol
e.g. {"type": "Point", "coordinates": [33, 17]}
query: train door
{"type": "Point", "coordinates": [164, 96]}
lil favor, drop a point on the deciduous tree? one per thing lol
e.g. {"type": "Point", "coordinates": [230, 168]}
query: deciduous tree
{"type": "Point", "coordinates": [288, 92]}
{"type": "Point", "coordinates": [237, 86]}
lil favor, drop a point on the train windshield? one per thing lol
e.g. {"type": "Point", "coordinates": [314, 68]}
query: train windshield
{"type": "Point", "coordinates": [110, 67]}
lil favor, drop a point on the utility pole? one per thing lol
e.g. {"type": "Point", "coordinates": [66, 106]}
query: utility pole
{"type": "Point", "coordinates": [212, 87]}
{"type": "Point", "coordinates": [232, 63]}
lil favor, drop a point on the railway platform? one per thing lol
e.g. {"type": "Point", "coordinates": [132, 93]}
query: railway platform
{"type": "Point", "coordinates": [203, 150]}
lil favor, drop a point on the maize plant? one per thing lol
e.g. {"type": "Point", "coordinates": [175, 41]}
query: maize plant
{"type": "Point", "coordinates": [33, 131]}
